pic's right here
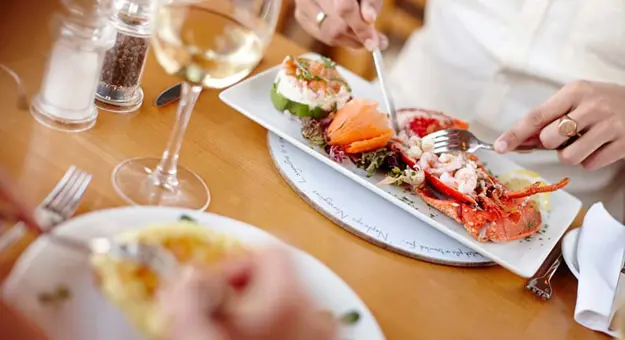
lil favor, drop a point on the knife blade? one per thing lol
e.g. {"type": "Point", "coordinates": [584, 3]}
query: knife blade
{"type": "Point", "coordinates": [388, 100]}
{"type": "Point", "coordinates": [619, 298]}
{"type": "Point", "coordinates": [169, 96]}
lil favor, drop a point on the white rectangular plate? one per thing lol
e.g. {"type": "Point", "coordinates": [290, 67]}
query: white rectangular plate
{"type": "Point", "coordinates": [523, 257]}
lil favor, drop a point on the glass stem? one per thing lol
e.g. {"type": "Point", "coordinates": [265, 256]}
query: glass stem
{"type": "Point", "coordinates": [165, 172]}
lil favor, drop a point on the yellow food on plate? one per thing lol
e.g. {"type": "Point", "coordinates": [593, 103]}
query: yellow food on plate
{"type": "Point", "coordinates": [132, 288]}
{"type": "Point", "coordinates": [522, 178]}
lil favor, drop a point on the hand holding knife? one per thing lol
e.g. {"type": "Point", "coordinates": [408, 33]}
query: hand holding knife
{"type": "Point", "coordinates": [369, 15]}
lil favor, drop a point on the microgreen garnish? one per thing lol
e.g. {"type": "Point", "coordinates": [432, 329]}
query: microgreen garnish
{"type": "Point", "coordinates": [342, 81]}
{"type": "Point", "coordinates": [187, 218]}
{"type": "Point", "coordinates": [327, 62]}
{"type": "Point", "coordinates": [60, 294]}
{"type": "Point", "coordinates": [348, 318]}
{"type": "Point", "coordinates": [304, 63]}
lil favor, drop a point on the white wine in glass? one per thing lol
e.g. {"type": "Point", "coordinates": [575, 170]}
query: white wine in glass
{"type": "Point", "coordinates": [207, 43]}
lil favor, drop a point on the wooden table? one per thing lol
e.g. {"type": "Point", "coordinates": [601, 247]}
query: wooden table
{"type": "Point", "coordinates": [410, 299]}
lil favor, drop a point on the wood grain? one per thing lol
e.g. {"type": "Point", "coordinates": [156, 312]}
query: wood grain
{"type": "Point", "coordinates": [410, 299]}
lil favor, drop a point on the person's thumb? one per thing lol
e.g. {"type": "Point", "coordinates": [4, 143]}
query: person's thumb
{"type": "Point", "coordinates": [190, 301]}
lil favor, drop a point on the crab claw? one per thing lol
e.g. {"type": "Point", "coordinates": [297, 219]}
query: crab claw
{"type": "Point", "coordinates": [537, 188]}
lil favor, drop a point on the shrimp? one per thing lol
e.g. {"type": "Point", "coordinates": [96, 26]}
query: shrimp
{"type": "Point", "coordinates": [451, 163]}
{"type": "Point", "coordinates": [466, 179]}
{"type": "Point", "coordinates": [449, 180]}
{"type": "Point", "coordinates": [415, 140]}
{"type": "Point", "coordinates": [429, 161]}
{"type": "Point", "coordinates": [427, 144]}
{"type": "Point", "coordinates": [414, 152]}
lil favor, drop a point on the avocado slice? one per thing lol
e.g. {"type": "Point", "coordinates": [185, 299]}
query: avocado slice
{"type": "Point", "coordinates": [282, 103]}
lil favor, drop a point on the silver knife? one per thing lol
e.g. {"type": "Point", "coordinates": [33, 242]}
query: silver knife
{"type": "Point", "coordinates": [388, 100]}
{"type": "Point", "coordinates": [169, 96]}
{"type": "Point", "coordinates": [619, 298]}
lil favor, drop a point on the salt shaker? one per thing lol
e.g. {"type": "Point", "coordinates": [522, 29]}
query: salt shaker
{"type": "Point", "coordinates": [119, 89]}
{"type": "Point", "coordinates": [65, 100]}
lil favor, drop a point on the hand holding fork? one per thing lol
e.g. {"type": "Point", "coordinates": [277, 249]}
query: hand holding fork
{"type": "Point", "coordinates": [58, 206]}
{"type": "Point", "coordinates": [61, 204]}
{"type": "Point", "coordinates": [463, 140]}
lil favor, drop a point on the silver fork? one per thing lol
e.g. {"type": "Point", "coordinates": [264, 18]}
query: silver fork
{"type": "Point", "coordinates": [462, 140]}
{"type": "Point", "coordinates": [154, 257]}
{"type": "Point", "coordinates": [540, 283]}
{"type": "Point", "coordinates": [63, 201]}
{"type": "Point", "coordinates": [22, 98]}
{"type": "Point", "coordinates": [58, 206]}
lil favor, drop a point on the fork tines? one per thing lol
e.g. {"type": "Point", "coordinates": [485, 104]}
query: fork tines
{"type": "Point", "coordinates": [65, 197]}
{"type": "Point", "coordinates": [450, 140]}
{"type": "Point", "coordinates": [58, 206]}
{"type": "Point", "coordinates": [539, 290]}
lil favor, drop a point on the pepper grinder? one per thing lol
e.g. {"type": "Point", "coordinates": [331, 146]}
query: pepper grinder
{"type": "Point", "coordinates": [119, 88]}
{"type": "Point", "coordinates": [65, 100]}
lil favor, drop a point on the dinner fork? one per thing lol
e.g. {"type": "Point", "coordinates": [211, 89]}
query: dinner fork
{"type": "Point", "coordinates": [22, 98]}
{"type": "Point", "coordinates": [58, 206]}
{"type": "Point", "coordinates": [63, 201]}
{"type": "Point", "coordinates": [155, 257]}
{"type": "Point", "coordinates": [540, 283]}
{"type": "Point", "coordinates": [462, 140]}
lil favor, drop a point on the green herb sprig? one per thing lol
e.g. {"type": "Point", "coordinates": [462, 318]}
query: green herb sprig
{"type": "Point", "coordinates": [349, 318]}
{"type": "Point", "coordinates": [187, 218]}
{"type": "Point", "coordinates": [60, 294]}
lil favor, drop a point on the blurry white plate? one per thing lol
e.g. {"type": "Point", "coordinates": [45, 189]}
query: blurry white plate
{"type": "Point", "coordinates": [569, 251]}
{"type": "Point", "coordinates": [524, 257]}
{"type": "Point", "coordinates": [88, 315]}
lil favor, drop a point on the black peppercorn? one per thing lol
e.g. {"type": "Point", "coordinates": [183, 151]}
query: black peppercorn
{"type": "Point", "coordinates": [123, 65]}
{"type": "Point", "coordinates": [124, 62]}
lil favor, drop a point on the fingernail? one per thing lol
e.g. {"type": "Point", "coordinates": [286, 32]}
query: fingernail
{"type": "Point", "coordinates": [501, 146]}
{"type": "Point", "coordinates": [370, 44]}
{"type": "Point", "coordinates": [369, 13]}
{"type": "Point", "coordinates": [383, 42]}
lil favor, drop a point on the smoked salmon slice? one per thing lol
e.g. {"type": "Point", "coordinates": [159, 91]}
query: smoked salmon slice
{"type": "Point", "coordinates": [359, 127]}
{"type": "Point", "coordinates": [374, 143]}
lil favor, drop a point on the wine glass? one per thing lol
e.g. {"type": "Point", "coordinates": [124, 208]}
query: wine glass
{"type": "Point", "coordinates": [207, 43]}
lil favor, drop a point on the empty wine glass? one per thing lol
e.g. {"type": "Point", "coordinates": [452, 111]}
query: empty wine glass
{"type": "Point", "coordinates": [207, 43]}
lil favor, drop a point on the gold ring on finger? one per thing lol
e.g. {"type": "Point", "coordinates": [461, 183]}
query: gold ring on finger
{"type": "Point", "coordinates": [567, 127]}
{"type": "Point", "coordinates": [320, 18]}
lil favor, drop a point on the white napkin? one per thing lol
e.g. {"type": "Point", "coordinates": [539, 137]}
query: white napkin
{"type": "Point", "coordinates": [599, 254]}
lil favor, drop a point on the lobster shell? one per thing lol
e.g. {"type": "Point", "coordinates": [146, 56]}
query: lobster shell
{"type": "Point", "coordinates": [503, 216]}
